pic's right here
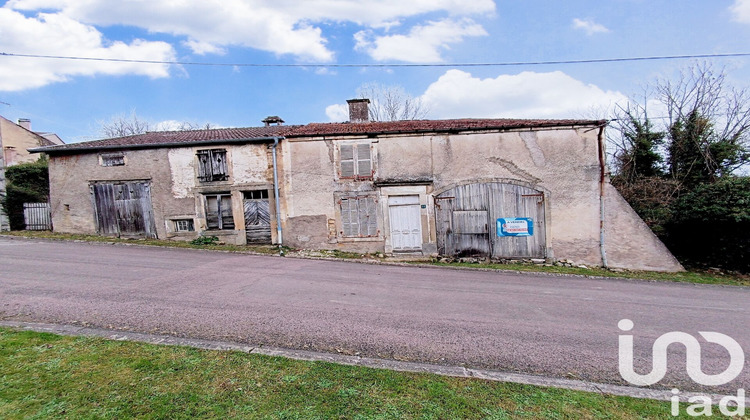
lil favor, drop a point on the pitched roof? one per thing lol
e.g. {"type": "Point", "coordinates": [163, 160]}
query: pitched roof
{"type": "Point", "coordinates": [430, 126]}
{"type": "Point", "coordinates": [175, 138]}
{"type": "Point", "coordinates": [251, 134]}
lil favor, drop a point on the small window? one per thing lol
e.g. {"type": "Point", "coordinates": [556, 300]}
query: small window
{"type": "Point", "coordinates": [219, 212]}
{"type": "Point", "coordinates": [256, 195]}
{"type": "Point", "coordinates": [184, 225]}
{"type": "Point", "coordinates": [212, 165]}
{"type": "Point", "coordinates": [113, 159]}
{"type": "Point", "coordinates": [359, 217]}
{"type": "Point", "coordinates": [356, 161]}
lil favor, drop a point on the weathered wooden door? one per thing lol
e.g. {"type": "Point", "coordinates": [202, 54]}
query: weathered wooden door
{"type": "Point", "coordinates": [406, 223]}
{"type": "Point", "coordinates": [466, 221]}
{"type": "Point", "coordinates": [257, 217]}
{"type": "Point", "coordinates": [124, 208]}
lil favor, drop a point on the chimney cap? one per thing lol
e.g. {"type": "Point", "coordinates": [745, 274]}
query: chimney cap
{"type": "Point", "coordinates": [273, 119]}
{"type": "Point", "coordinates": [355, 100]}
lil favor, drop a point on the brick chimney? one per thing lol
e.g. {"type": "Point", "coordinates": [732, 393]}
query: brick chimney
{"type": "Point", "coordinates": [359, 110]}
{"type": "Point", "coordinates": [25, 123]}
{"type": "Point", "coordinates": [273, 119]}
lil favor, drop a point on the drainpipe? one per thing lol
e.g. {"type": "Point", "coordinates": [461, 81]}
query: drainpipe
{"type": "Point", "coordinates": [602, 179]}
{"type": "Point", "coordinates": [276, 193]}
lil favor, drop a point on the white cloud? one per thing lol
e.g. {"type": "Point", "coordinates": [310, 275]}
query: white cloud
{"type": "Point", "coordinates": [423, 44]}
{"type": "Point", "coordinates": [589, 26]}
{"type": "Point", "coordinates": [56, 34]}
{"type": "Point", "coordinates": [277, 26]}
{"type": "Point", "coordinates": [741, 11]}
{"type": "Point", "coordinates": [203, 48]}
{"type": "Point", "coordinates": [458, 94]}
{"type": "Point", "coordinates": [337, 112]}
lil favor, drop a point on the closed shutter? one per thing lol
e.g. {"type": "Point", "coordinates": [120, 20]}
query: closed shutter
{"type": "Point", "coordinates": [204, 165]}
{"type": "Point", "coordinates": [212, 165]}
{"type": "Point", "coordinates": [347, 161]}
{"type": "Point", "coordinates": [364, 161]}
{"type": "Point", "coordinates": [219, 165]}
{"type": "Point", "coordinates": [349, 221]}
{"type": "Point", "coordinates": [359, 217]}
{"type": "Point", "coordinates": [370, 227]}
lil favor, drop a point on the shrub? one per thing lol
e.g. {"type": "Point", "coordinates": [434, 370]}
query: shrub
{"type": "Point", "coordinates": [25, 183]}
{"type": "Point", "coordinates": [205, 240]}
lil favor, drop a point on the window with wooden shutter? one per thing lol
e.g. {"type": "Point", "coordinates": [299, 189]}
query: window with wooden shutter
{"type": "Point", "coordinates": [356, 161]}
{"type": "Point", "coordinates": [219, 212]}
{"type": "Point", "coordinates": [359, 217]}
{"type": "Point", "coordinates": [212, 165]}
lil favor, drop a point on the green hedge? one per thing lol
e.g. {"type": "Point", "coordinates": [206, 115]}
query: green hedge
{"type": "Point", "coordinates": [710, 225]}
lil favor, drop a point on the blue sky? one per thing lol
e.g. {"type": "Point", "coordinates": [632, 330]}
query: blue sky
{"type": "Point", "coordinates": [70, 97]}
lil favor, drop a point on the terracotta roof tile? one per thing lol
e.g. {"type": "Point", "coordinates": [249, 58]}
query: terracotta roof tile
{"type": "Point", "coordinates": [426, 126]}
{"type": "Point", "coordinates": [176, 138]}
{"type": "Point", "coordinates": [179, 138]}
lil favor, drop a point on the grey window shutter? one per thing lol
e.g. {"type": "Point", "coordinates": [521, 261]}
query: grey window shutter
{"type": "Point", "coordinates": [347, 161]}
{"type": "Point", "coordinates": [372, 217]}
{"type": "Point", "coordinates": [364, 160]}
{"type": "Point", "coordinates": [348, 217]}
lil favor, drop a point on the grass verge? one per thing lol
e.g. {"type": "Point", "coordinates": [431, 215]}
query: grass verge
{"type": "Point", "coordinates": [51, 376]}
{"type": "Point", "coordinates": [260, 249]}
{"type": "Point", "coordinates": [690, 276]}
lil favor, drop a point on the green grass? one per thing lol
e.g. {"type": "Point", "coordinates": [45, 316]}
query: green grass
{"type": "Point", "coordinates": [49, 376]}
{"type": "Point", "coordinates": [690, 276]}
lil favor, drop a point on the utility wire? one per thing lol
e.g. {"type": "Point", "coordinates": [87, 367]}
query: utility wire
{"type": "Point", "coordinates": [354, 65]}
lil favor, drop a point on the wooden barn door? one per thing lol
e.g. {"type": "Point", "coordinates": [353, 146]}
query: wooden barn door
{"type": "Point", "coordinates": [124, 209]}
{"type": "Point", "coordinates": [462, 217]}
{"type": "Point", "coordinates": [466, 220]}
{"type": "Point", "coordinates": [257, 217]}
{"type": "Point", "coordinates": [508, 201]}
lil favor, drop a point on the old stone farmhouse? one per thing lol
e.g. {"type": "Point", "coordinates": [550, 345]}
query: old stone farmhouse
{"type": "Point", "coordinates": [499, 188]}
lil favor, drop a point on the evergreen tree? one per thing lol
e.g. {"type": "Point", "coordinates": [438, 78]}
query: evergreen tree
{"type": "Point", "coordinates": [640, 157]}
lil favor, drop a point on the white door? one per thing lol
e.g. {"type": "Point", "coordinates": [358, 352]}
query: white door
{"type": "Point", "coordinates": [406, 223]}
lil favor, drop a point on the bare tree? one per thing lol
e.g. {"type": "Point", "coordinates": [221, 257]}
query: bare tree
{"type": "Point", "coordinates": [392, 103]}
{"type": "Point", "coordinates": [708, 123]}
{"type": "Point", "coordinates": [128, 125]}
{"type": "Point", "coordinates": [123, 125]}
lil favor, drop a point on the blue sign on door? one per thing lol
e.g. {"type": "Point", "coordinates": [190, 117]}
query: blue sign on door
{"type": "Point", "coordinates": [515, 226]}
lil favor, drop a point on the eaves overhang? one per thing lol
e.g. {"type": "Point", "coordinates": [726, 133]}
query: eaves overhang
{"type": "Point", "coordinates": [72, 149]}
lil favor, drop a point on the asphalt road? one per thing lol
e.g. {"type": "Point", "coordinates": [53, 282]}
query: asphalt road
{"type": "Point", "coordinates": [549, 325]}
